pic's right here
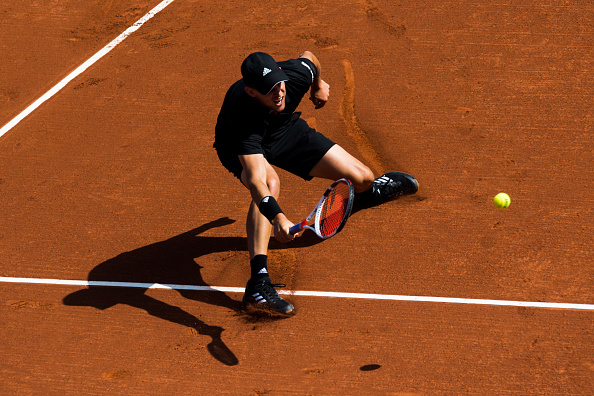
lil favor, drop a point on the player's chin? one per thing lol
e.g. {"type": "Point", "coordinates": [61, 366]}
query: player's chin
{"type": "Point", "coordinates": [278, 106]}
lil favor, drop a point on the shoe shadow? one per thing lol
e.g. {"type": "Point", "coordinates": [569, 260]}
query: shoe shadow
{"type": "Point", "coordinates": [171, 262]}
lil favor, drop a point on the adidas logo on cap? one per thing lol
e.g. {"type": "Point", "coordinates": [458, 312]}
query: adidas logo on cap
{"type": "Point", "coordinates": [265, 71]}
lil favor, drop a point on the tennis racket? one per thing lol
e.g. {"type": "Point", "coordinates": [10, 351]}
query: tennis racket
{"type": "Point", "coordinates": [332, 211]}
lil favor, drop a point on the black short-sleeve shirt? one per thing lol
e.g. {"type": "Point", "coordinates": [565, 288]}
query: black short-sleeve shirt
{"type": "Point", "coordinates": [244, 126]}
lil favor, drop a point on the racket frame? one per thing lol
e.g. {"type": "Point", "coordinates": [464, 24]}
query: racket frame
{"type": "Point", "coordinates": [316, 212]}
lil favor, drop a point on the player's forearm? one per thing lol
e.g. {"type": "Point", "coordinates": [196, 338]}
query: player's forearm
{"type": "Point", "coordinates": [268, 205]}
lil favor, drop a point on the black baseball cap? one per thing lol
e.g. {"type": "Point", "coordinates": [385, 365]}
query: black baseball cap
{"type": "Point", "coordinates": [261, 72]}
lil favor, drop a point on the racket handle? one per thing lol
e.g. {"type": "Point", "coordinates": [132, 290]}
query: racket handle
{"type": "Point", "coordinates": [296, 228]}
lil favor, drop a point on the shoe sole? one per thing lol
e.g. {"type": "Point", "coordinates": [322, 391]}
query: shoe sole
{"type": "Point", "coordinates": [262, 309]}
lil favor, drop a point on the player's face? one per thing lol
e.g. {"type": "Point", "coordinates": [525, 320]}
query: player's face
{"type": "Point", "coordinates": [275, 99]}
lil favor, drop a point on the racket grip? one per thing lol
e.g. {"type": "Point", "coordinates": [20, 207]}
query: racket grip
{"type": "Point", "coordinates": [295, 229]}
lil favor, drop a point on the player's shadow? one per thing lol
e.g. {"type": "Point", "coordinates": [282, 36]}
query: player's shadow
{"type": "Point", "coordinates": [170, 262]}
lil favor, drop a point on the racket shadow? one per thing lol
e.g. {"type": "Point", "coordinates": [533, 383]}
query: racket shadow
{"type": "Point", "coordinates": [171, 261]}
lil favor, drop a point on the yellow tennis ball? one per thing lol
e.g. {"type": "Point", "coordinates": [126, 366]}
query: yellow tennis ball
{"type": "Point", "coordinates": [501, 200]}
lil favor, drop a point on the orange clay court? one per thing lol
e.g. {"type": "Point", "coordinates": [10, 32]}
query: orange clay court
{"type": "Point", "coordinates": [122, 238]}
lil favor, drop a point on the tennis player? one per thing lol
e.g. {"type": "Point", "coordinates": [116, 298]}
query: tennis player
{"type": "Point", "coordinates": [258, 127]}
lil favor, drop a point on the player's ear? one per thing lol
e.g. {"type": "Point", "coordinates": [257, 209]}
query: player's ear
{"type": "Point", "coordinates": [250, 91]}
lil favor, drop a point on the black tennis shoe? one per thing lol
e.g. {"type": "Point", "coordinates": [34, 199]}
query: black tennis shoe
{"type": "Point", "coordinates": [393, 185]}
{"type": "Point", "coordinates": [261, 296]}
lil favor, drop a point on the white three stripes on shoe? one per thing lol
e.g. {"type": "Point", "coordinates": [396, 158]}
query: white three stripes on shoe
{"type": "Point", "coordinates": [259, 298]}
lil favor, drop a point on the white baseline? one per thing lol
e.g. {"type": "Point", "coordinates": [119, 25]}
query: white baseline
{"type": "Point", "coordinates": [390, 297]}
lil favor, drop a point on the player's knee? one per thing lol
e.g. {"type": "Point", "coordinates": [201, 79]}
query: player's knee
{"type": "Point", "coordinates": [274, 186]}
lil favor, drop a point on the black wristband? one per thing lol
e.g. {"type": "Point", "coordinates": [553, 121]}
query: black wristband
{"type": "Point", "coordinates": [269, 207]}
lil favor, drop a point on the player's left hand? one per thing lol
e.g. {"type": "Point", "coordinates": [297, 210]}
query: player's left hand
{"type": "Point", "coordinates": [319, 94]}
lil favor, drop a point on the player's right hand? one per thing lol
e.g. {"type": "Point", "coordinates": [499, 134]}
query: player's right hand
{"type": "Point", "coordinates": [281, 227]}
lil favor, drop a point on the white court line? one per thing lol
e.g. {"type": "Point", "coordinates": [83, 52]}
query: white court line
{"type": "Point", "coordinates": [79, 70]}
{"type": "Point", "coordinates": [390, 297]}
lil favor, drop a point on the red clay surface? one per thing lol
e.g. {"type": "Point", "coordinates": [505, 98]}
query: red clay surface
{"type": "Point", "coordinates": [114, 178]}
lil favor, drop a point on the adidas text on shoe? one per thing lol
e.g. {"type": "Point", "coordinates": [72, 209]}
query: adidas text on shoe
{"type": "Point", "coordinates": [393, 185]}
{"type": "Point", "coordinates": [261, 296]}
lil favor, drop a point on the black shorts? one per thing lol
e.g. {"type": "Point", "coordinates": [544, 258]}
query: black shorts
{"type": "Point", "coordinates": [299, 150]}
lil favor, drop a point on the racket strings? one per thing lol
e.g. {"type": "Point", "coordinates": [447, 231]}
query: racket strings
{"type": "Point", "coordinates": [334, 209]}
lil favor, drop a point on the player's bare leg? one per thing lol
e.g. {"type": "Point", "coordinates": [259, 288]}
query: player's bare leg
{"type": "Point", "coordinates": [258, 231]}
{"type": "Point", "coordinates": [338, 163]}
{"type": "Point", "coordinates": [258, 227]}
{"type": "Point", "coordinates": [260, 294]}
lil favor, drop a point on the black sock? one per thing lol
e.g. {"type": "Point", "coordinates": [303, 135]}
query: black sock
{"type": "Point", "coordinates": [259, 267]}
